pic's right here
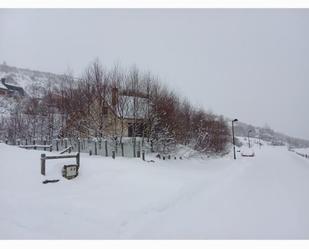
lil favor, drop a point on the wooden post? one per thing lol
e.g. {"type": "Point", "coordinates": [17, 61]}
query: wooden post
{"type": "Point", "coordinates": [43, 163]}
{"type": "Point", "coordinates": [106, 151]}
{"type": "Point", "coordinates": [51, 148]}
{"type": "Point", "coordinates": [78, 145]}
{"type": "Point", "coordinates": [34, 144]}
{"type": "Point", "coordinates": [113, 154]}
{"type": "Point", "coordinates": [100, 143]}
{"type": "Point", "coordinates": [95, 148]}
{"type": "Point", "coordinates": [134, 147]}
{"type": "Point", "coordinates": [138, 149]}
{"type": "Point", "coordinates": [78, 159]}
{"type": "Point", "coordinates": [57, 144]}
{"type": "Point", "coordinates": [44, 144]}
{"type": "Point", "coordinates": [143, 155]}
{"type": "Point", "coordinates": [122, 151]}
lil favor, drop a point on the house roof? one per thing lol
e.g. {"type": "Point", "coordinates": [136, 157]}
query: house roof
{"type": "Point", "coordinates": [14, 88]}
{"type": "Point", "coordinates": [3, 86]}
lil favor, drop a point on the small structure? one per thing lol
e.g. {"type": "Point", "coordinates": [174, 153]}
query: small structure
{"type": "Point", "coordinates": [70, 171]}
{"type": "Point", "coordinates": [44, 158]}
{"type": "Point", "coordinates": [3, 89]}
{"type": "Point", "coordinates": [11, 89]}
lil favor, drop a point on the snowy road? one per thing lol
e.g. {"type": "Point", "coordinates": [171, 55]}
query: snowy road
{"type": "Point", "coordinates": [266, 197]}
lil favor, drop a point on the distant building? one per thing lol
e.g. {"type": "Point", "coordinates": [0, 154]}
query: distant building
{"type": "Point", "coordinates": [10, 89]}
{"type": "Point", "coordinates": [3, 89]}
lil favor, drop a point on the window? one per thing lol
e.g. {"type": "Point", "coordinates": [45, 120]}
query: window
{"type": "Point", "coordinates": [105, 110]}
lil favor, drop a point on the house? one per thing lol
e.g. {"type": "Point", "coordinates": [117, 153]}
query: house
{"type": "Point", "coordinates": [132, 110]}
{"type": "Point", "coordinates": [3, 89]}
{"type": "Point", "coordinates": [11, 89]}
{"type": "Point", "coordinates": [124, 115]}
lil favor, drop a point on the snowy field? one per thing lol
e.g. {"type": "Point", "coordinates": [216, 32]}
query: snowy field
{"type": "Point", "coordinates": [265, 197]}
{"type": "Point", "coordinates": [304, 151]}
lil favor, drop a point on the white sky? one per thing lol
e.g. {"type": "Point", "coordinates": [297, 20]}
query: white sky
{"type": "Point", "coordinates": [250, 64]}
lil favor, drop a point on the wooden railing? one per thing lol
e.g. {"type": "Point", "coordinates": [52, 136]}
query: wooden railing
{"type": "Point", "coordinates": [44, 158]}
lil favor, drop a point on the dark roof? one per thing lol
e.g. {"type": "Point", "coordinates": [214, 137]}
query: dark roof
{"type": "Point", "coordinates": [13, 87]}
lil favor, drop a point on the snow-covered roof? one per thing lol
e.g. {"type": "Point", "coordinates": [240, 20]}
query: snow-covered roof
{"type": "Point", "coordinates": [3, 86]}
{"type": "Point", "coordinates": [13, 84]}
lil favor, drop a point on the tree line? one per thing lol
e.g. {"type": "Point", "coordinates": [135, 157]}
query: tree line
{"type": "Point", "coordinates": [79, 108]}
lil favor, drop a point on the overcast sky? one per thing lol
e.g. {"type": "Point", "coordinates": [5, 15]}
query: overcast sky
{"type": "Point", "coordinates": [249, 64]}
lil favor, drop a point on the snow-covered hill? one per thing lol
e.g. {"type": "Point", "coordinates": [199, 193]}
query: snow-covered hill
{"type": "Point", "coordinates": [26, 77]}
{"type": "Point", "coordinates": [264, 197]}
{"type": "Point", "coordinates": [268, 134]}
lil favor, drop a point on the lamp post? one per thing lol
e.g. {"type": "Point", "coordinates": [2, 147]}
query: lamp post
{"type": "Point", "coordinates": [249, 137]}
{"type": "Point", "coordinates": [235, 120]}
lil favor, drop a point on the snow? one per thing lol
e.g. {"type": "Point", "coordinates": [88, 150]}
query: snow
{"type": "Point", "coordinates": [263, 197]}
{"type": "Point", "coordinates": [3, 86]}
{"type": "Point", "coordinates": [245, 151]}
{"type": "Point", "coordinates": [6, 105]}
{"type": "Point", "coordinates": [25, 78]}
{"type": "Point", "coordinates": [304, 151]}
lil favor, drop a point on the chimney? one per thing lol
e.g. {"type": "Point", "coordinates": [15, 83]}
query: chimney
{"type": "Point", "coordinates": [3, 81]}
{"type": "Point", "coordinates": [114, 96]}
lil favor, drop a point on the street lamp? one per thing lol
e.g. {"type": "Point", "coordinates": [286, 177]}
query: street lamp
{"type": "Point", "coordinates": [249, 137]}
{"type": "Point", "coordinates": [235, 120]}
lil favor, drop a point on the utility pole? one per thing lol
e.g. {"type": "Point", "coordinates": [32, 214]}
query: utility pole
{"type": "Point", "coordinates": [249, 137]}
{"type": "Point", "coordinates": [235, 120]}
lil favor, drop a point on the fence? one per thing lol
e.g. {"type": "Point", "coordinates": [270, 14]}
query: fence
{"type": "Point", "coordinates": [44, 158]}
{"type": "Point", "coordinates": [128, 147]}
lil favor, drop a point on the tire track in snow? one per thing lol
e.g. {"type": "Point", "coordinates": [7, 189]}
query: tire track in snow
{"type": "Point", "coordinates": [131, 226]}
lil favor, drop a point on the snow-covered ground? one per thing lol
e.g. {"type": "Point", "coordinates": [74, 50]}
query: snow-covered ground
{"type": "Point", "coordinates": [304, 151]}
{"type": "Point", "coordinates": [263, 197]}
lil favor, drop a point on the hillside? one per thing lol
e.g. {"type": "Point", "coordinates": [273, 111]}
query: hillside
{"type": "Point", "coordinates": [26, 78]}
{"type": "Point", "coordinates": [264, 197]}
{"type": "Point", "coordinates": [269, 135]}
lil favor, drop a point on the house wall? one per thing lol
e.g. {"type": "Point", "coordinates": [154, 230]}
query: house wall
{"type": "Point", "coordinates": [115, 126]}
